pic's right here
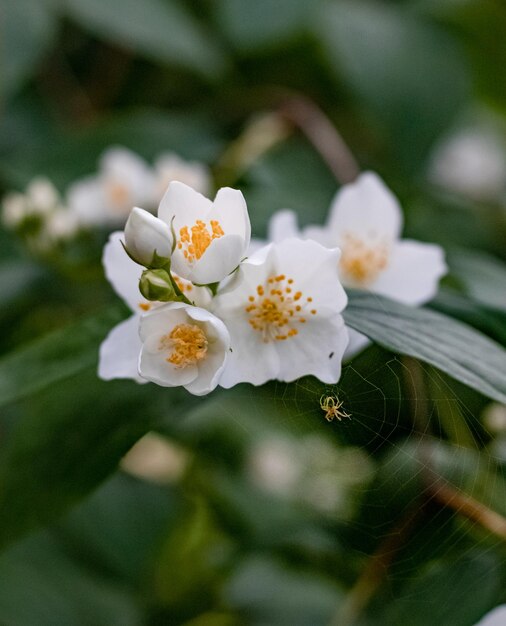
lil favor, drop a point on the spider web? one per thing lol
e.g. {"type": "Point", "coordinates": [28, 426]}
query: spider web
{"type": "Point", "coordinates": [431, 497]}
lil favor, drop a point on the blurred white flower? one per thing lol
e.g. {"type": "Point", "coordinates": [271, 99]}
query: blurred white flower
{"type": "Point", "coordinates": [310, 470]}
{"type": "Point", "coordinates": [365, 222]}
{"type": "Point", "coordinates": [119, 352]}
{"type": "Point", "coordinates": [183, 345]}
{"type": "Point", "coordinates": [124, 180]}
{"type": "Point", "coordinates": [14, 210]}
{"type": "Point", "coordinates": [274, 465]}
{"type": "Point", "coordinates": [157, 459]}
{"type": "Point", "coordinates": [170, 167]}
{"type": "Point", "coordinates": [62, 225]}
{"type": "Point", "coordinates": [494, 417]}
{"type": "Point", "coordinates": [471, 163]}
{"type": "Point", "coordinates": [496, 617]}
{"type": "Point", "coordinates": [283, 311]}
{"type": "Point", "coordinates": [147, 236]}
{"type": "Point", "coordinates": [211, 237]}
{"type": "Point", "coordinates": [39, 200]}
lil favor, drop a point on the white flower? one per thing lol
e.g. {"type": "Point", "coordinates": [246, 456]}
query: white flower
{"type": "Point", "coordinates": [62, 225]}
{"type": "Point", "coordinates": [119, 352]}
{"type": "Point", "coordinates": [365, 222]}
{"type": "Point", "coordinates": [146, 235]}
{"type": "Point", "coordinates": [170, 167]}
{"type": "Point", "coordinates": [39, 200]}
{"type": "Point", "coordinates": [183, 345]}
{"type": "Point", "coordinates": [42, 196]}
{"type": "Point", "coordinates": [282, 310]}
{"type": "Point", "coordinates": [14, 210]}
{"type": "Point", "coordinates": [496, 617]}
{"type": "Point", "coordinates": [124, 180]}
{"type": "Point", "coordinates": [211, 237]}
{"type": "Point", "coordinates": [471, 163]}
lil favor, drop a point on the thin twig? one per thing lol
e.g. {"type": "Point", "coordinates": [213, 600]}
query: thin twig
{"type": "Point", "coordinates": [447, 495]}
{"type": "Point", "coordinates": [376, 569]}
{"type": "Point", "coordinates": [319, 130]}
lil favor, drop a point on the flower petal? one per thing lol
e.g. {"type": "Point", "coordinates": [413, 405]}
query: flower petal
{"type": "Point", "coordinates": [314, 270]}
{"type": "Point", "coordinates": [86, 199]}
{"type": "Point", "coordinates": [184, 204]}
{"type": "Point", "coordinates": [283, 225]}
{"type": "Point", "coordinates": [220, 259]}
{"type": "Point", "coordinates": [251, 360]}
{"type": "Point", "coordinates": [122, 272]}
{"type": "Point", "coordinates": [230, 209]}
{"type": "Point", "coordinates": [365, 208]}
{"type": "Point", "coordinates": [413, 273]}
{"type": "Point", "coordinates": [119, 352]}
{"type": "Point", "coordinates": [317, 350]}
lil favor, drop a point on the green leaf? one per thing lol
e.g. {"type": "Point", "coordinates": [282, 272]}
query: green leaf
{"type": "Point", "coordinates": [456, 349]}
{"type": "Point", "coordinates": [148, 132]}
{"type": "Point", "coordinates": [55, 357]}
{"type": "Point", "coordinates": [62, 443]}
{"type": "Point", "coordinates": [426, 598]}
{"type": "Point", "coordinates": [16, 279]}
{"type": "Point", "coordinates": [27, 30]}
{"type": "Point", "coordinates": [408, 73]}
{"type": "Point", "coordinates": [252, 26]}
{"type": "Point", "coordinates": [483, 276]}
{"type": "Point", "coordinates": [41, 586]}
{"type": "Point", "coordinates": [269, 593]}
{"type": "Point", "coordinates": [161, 30]}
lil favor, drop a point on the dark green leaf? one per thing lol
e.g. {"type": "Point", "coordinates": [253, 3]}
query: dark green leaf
{"type": "Point", "coordinates": [53, 358]}
{"type": "Point", "coordinates": [27, 28]}
{"type": "Point", "coordinates": [161, 30]}
{"type": "Point", "coordinates": [483, 276]}
{"type": "Point", "coordinates": [446, 594]}
{"type": "Point", "coordinates": [407, 72]}
{"type": "Point", "coordinates": [252, 26]}
{"type": "Point", "coordinates": [41, 586]}
{"type": "Point", "coordinates": [456, 349]}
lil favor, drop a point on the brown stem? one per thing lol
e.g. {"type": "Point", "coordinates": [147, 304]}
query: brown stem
{"type": "Point", "coordinates": [448, 496]}
{"type": "Point", "coordinates": [374, 573]}
{"type": "Point", "coordinates": [311, 120]}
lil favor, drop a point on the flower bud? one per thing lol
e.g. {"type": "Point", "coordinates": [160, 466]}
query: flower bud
{"type": "Point", "coordinates": [148, 239]}
{"type": "Point", "coordinates": [156, 285]}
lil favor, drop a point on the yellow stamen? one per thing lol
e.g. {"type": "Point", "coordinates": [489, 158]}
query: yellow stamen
{"type": "Point", "coordinates": [362, 262]}
{"type": "Point", "coordinates": [194, 241]}
{"type": "Point", "coordinates": [273, 314]}
{"type": "Point", "coordinates": [188, 343]}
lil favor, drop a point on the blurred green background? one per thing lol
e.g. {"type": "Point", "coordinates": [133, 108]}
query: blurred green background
{"type": "Point", "coordinates": [248, 508]}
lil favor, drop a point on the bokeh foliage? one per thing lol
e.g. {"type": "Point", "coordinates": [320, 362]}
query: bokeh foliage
{"type": "Point", "coordinates": [84, 543]}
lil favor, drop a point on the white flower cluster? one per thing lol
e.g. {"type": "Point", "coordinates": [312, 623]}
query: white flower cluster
{"type": "Point", "coordinates": [209, 308]}
{"type": "Point", "coordinates": [45, 219]}
{"type": "Point", "coordinates": [39, 215]}
{"type": "Point", "coordinates": [308, 471]}
{"type": "Point", "coordinates": [124, 179]}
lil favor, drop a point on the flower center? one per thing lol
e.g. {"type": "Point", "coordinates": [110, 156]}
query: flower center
{"type": "Point", "coordinates": [188, 344]}
{"type": "Point", "coordinates": [276, 309]}
{"type": "Point", "coordinates": [361, 262]}
{"type": "Point", "coordinates": [194, 241]}
{"type": "Point", "coordinates": [118, 194]}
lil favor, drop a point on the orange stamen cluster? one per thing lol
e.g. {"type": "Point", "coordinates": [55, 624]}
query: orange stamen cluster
{"type": "Point", "coordinates": [188, 344]}
{"type": "Point", "coordinates": [361, 262]}
{"type": "Point", "coordinates": [194, 241]}
{"type": "Point", "coordinates": [277, 308]}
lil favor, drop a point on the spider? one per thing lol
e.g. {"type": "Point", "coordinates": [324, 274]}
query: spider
{"type": "Point", "coordinates": [332, 407]}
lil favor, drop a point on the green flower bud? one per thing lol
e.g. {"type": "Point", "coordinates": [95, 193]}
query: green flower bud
{"type": "Point", "coordinates": [156, 285]}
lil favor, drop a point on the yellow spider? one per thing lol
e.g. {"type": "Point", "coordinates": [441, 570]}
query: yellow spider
{"type": "Point", "coordinates": [332, 407]}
